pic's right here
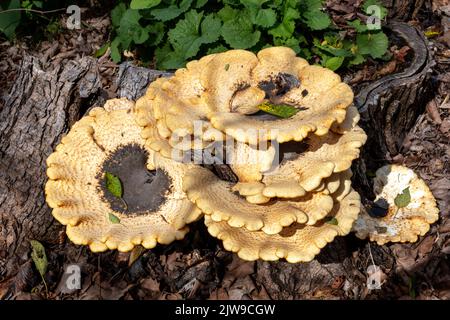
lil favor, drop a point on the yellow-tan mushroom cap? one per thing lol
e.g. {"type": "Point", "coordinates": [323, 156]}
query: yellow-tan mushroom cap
{"type": "Point", "coordinates": [225, 89]}
{"type": "Point", "coordinates": [152, 208]}
{"type": "Point", "coordinates": [401, 223]}
{"type": "Point", "coordinates": [295, 243]}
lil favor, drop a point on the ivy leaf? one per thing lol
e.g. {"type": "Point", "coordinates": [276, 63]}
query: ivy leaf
{"type": "Point", "coordinates": [239, 33]}
{"type": "Point", "coordinates": [113, 218]}
{"type": "Point", "coordinates": [280, 110]}
{"type": "Point", "coordinates": [403, 199]}
{"type": "Point", "coordinates": [9, 20]}
{"type": "Point", "coordinates": [185, 37]}
{"type": "Point", "coordinates": [144, 4]}
{"type": "Point", "coordinates": [228, 13]}
{"type": "Point", "coordinates": [334, 63]}
{"type": "Point", "coordinates": [113, 185]}
{"type": "Point", "coordinates": [374, 44]}
{"type": "Point", "coordinates": [39, 257]}
{"type": "Point", "coordinates": [172, 11]}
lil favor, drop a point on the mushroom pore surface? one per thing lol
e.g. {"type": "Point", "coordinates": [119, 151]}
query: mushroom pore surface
{"type": "Point", "coordinates": [144, 191]}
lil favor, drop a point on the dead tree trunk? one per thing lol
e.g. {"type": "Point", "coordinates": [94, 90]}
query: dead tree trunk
{"type": "Point", "coordinates": [42, 106]}
{"type": "Point", "coordinates": [40, 109]}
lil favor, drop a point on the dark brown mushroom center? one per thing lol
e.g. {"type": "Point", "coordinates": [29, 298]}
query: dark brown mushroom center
{"type": "Point", "coordinates": [143, 191]}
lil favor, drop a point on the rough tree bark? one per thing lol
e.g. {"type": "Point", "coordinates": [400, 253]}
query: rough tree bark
{"type": "Point", "coordinates": [43, 105]}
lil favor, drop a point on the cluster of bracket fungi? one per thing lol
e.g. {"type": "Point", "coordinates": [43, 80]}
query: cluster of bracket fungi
{"type": "Point", "coordinates": [291, 194]}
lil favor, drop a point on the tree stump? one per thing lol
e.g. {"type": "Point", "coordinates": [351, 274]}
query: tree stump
{"type": "Point", "coordinates": [42, 106]}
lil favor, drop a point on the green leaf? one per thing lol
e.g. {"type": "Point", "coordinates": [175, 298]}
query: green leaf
{"type": "Point", "coordinates": [356, 24]}
{"type": "Point", "coordinates": [166, 59]}
{"type": "Point", "coordinates": [287, 26]}
{"type": "Point", "coordinates": [367, 8]}
{"type": "Point", "coordinates": [39, 257]}
{"type": "Point", "coordinates": [217, 49]}
{"type": "Point", "coordinates": [116, 56]}
{"type": "Point", "coordinates": [200, 3]}
{"type": "Point", "coordinates": [228, 13]}
{"type": "Point", "coordinates": [9, 20]}
{"type": "Point", "coordinates": [358, 59]}
{"type": "Point", "coordinates": [130, 29]}
{"type": "Point", "coordinates": [334, 63]}
{"type": "Point", "coordinates": [403, 199]}
{"type": "Point", "coordinates": [265, 18]}
{"type": "Point", "coordinates": [280, 110]}
{"type": "Point", "coordinates": [102, 50]}
{"type": "Point", "coordinates": [317, 20]}
{"type": "Point", "coordinates": [172, 11]}
{"type": "Point", "coordinates": [113, 185]}
{"type": "Point", "coordinates": [239, 33]}
{"type": "Point", "coordinates": [293, 43]}
{"type": "Point", "coordinates": [144, 4]}
{"type": "Point", "coordinates": [156, 33]}
{"type": "Point", "coordinates": [332, 221]}
{"type": "Point", "coordinates": [313, 15]}
{"type": "Point", "coordinates": [374, 44]}
{"type": "Point", "coordinates": [113, 218]}
{"type": "Point", "coordinates": [117, 13]}
{"type": "Point", "coordinates": [185, 37]}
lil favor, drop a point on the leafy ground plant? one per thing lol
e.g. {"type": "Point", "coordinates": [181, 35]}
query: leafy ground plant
{"type": "Point", "coordinates": [174, 32]}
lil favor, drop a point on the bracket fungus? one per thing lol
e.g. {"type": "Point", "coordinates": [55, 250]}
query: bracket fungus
{"type": "Point", "coordinates": [112, 191]}
{"type": "Point", "coordinates": [409, 206]}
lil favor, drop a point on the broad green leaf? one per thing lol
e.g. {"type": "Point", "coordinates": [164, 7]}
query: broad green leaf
{"type": "Point", "coordinates": [144, 4]}
{"type": "Point", "coordinates": [9, 20]}
{"type": "Point", "coordinates": [292, 43]}
{"type": "Point", "coordinates": [117, 13]}
{"type": "Point", "coordinates": [113, 218]}
{"type": "Point", "coordinates": [113, 185]}
{"type": "Point", "coordinates": [172, 11]}
{"type": "Point", "coordinates": [265, 18]}
{"type": "Point", "coordinates": [281, 110]}
{"type": "Point", "coordinates": [130, 29]}
{"type": "Point", "coordinates": [368, 8]}
{"type": "Point", "coordinates": [287, 26]}
{"type": "Point", "coordinates": [116, 56]}
{"type": "Point", "coordinates": [374, 44]}
{"type": "Point", "coordinates": [156, 33]}
{"type": "Point", "coordinates": [217, 49]}
{"type": "Point", "coordinates": [228, 13]}
{"type": "Point", "coordinates": [253, 3]}
{"type": "Point", "coordinates": [167, 59]}
{"type": "Point", "coordinates": [39, 257]}
{"type": "Point", "coordinates": [317, 20]}
{"type": "Point", "coordinates": [185, 37]}
{"type": "Point", "coordinates": [358, 59]}
{"type": "Point", "coordinates": [360, 28]}
{"type": "Point", "coordinates": [334, 63]}
{"type": "Point", "coordinates": [239, 33]}
{"type": "Point", "coordinates": [200, 3]}
{"type": "Point", "coordinates": [403, 199]}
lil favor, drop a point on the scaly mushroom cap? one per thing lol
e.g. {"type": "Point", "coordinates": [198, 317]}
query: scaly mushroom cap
{"type": "Point", "coordinates": [324, 156]}
{"type": "Point", "coordinates": [227, 87]}
{"type": "Point", "coordinates": [400, 224]}
{"type": "Point", "coordinates": [295, 243]}
{"type": "Point", "coordinates": [216, 198]}
{"type": "Point", "coordinates": [153, 208]}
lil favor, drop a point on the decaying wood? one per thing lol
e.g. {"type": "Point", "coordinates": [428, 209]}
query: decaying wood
{"type": "Point", "coordinates": [42, 106]}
